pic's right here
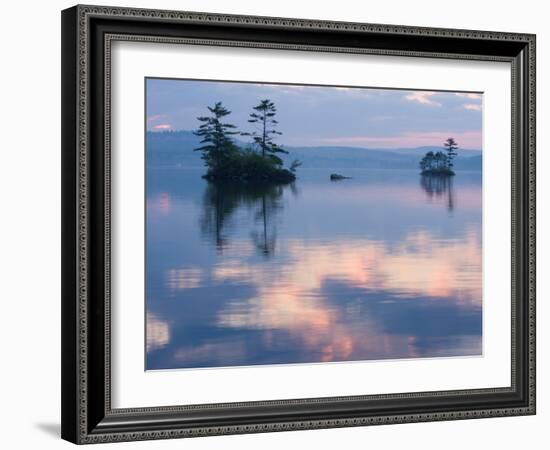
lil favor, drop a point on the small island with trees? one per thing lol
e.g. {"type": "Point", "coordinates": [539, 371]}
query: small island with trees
{"type": "Point", "coordinates": [440, 163]}
{"type": "Point", "coordinates": [255, 162]}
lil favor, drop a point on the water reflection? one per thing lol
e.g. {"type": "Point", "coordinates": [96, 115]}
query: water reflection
{"type": "Point", "coordinates": [439, 188]}
{"type": "Point", "coordinates": [329, 296]}
{"type": "Point", "coordinates": [263, 201]}
{"type": "Point", "coordinates": [340, 272]}
{"type": "Point", "coordinates": [158, 333]}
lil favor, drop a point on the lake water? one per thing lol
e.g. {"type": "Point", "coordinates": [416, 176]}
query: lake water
{"type": "Point", "coordinates": [384, 265]}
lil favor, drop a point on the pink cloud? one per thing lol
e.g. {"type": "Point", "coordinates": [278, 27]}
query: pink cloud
{"type": "Point", "coordinates": [473, 106]}
{"type": "Point", "coordinates": [466, 139]}
{"type": "Point", "coordinates": [163, 126]}
{"type": "Point", "coordinates": [470, 95]}
{"type": "Point", "coordinates": [422, 97]}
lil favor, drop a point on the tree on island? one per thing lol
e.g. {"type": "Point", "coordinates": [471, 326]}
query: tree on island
{"type": "Point", "coordinates": [265, 133]}
{"type": "Point", "coordinates": [225, 160]}
{"type": "Point", "coordinates": [451, 147]}
{"type": "Point", "coordinates": [216, 136]}
{"type": "Point", "coordinates": [440, 163]}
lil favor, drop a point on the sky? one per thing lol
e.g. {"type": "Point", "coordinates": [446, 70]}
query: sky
{"type": "Point", "coordinates": [325, 115]}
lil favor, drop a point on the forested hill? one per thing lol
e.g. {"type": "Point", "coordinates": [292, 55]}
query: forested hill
{"type": "Point", "coordinates": [176, 148]}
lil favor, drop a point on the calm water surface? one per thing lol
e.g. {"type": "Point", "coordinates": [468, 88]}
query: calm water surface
{"type": "Point", "coordinates": [385, 265]}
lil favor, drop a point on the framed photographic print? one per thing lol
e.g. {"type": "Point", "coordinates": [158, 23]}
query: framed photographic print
{"type": "Point", "coordinates": [277, 224]}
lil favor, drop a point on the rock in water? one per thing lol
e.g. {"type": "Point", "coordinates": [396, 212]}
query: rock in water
{"type": "Point", "coordinates": [337, 176]}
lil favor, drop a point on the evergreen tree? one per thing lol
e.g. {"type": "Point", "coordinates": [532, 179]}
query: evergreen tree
{"type": "Point", "coordinates": [264, 135]}
{"type": "Point", "coordinates": [427, 162]}
{"type": "Point", "coordinates": [424, 164]}
{"type": "Point", "coordinates": [451, 147]}
{"type": "Point", "coordinates": [216, 137]}
{"type": "Point", "coordinates": [441, 160]}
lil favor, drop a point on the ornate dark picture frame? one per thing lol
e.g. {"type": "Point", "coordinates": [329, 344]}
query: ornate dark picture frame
{"type": "Point", "coordinates": [87, 34]}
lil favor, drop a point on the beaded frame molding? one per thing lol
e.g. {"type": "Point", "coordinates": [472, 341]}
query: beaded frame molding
{"type": "Point", "coordinates": [87, 35]}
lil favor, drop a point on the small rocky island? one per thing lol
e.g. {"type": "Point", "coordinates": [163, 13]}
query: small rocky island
{"type": "Point", "coordinates": [256, 162]}
{"type": "Point", "coordinates": [440, 163]}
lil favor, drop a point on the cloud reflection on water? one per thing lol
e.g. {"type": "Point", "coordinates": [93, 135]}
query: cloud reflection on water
{"type": "Point", "coordinates": [294, 300]}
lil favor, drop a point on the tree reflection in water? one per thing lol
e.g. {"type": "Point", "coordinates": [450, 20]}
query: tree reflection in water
{"type": "Point", "coordinates": [439, 188]}
{"type": "Point", "coordinates": [222, 201]}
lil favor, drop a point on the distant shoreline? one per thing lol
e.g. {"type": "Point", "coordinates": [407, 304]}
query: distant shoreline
{"type": "Point", "coordinates": [176, 147]}
{"type": "Point", "coordinates": [414, 149]}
